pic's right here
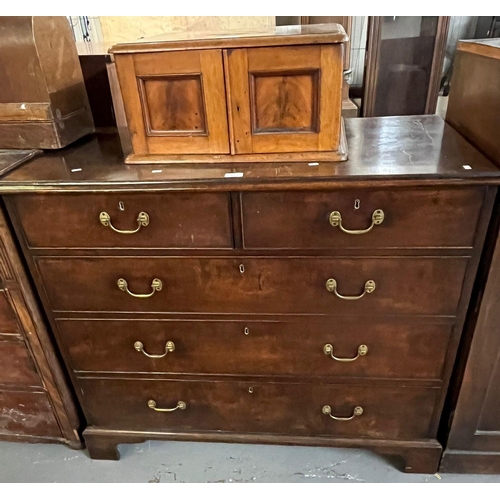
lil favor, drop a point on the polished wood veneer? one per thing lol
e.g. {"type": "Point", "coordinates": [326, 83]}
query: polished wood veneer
{"type": "Point", "coordinates": [243, 313]}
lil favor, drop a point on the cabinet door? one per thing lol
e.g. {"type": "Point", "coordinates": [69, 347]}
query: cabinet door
{"type": "Point", "coordinates": [175, 101]}
{"type": "Point", "coordinates": [285, 99]}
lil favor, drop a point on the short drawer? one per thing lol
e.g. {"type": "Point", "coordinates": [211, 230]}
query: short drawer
{"type": "Point", "coordinates": [405, 285]}
{"type": "Point", "coordinates": [16, 365]}
{"type": "Point", "coordinates": [166, 220]}
{"type": "Point", "coordinates": [281, 408]}
{"type": "Point", "coordinates": [344, 348]}
{"type": "Point", "coordinates": [27, 413]}
{"type": "Point", "coordinates": [423, 218]}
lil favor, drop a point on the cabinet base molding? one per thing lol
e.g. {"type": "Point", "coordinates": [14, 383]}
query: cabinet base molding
{"type": "Point", "coordinates": [23, 438]}
{"type": "Point", "coordinates": [418, 457]}
{"type": "Point", "coordinates": [470, 462]}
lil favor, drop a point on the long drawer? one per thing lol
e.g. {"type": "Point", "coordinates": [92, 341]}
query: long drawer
{"type": "Point", "coordinates": [16, 365]}
{"type": "Point", "coordinates": [395, 218]}
{"type": "Point", "coordinates": [428, 285]}
{"type": "Point", "coordinates": [257, 348]}
{"type": "Point", "coordinates": [169, 220]}
{"type": "Point", "coordinates": [387, 412]}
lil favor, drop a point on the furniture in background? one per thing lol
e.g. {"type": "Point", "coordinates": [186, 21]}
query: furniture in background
{"type": "Point", "coordinates": [404, 62]}
{"type": "Point", "coordinates": [270, 95]}
{"type": "Point", "coordinates": [47, 109]}
{"type": "Point", "coordinates": [36, 403]}
{"type": "Point", "coordinates": [283, 303]}
{"type": "Point", "coordinates": [471, 426]}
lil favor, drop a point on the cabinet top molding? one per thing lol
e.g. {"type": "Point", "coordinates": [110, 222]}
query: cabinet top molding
{"type": "Point", "coordinates": [266, 37]}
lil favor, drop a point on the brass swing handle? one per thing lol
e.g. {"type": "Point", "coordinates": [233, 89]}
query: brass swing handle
{"type": "Point", "coordinates": [156, 285]}
{"type": "Point", "coordinates": [180, 406]}
{"type": "Point", "coordinates": [362, 351]}
{"type": "Point", "coordinates": [327, 410]}
{"type": "Point", "coordinates": [336, 220]}
{"type": "Point", "coordinates": [142, 220]}
{"type": "Point", "coordinates": [169, 347]}
{"type": "Point", "coordinates": [331, 286]}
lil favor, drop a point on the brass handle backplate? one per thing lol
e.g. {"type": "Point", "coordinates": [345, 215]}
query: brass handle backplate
{"type": "Point", "coordinates": [142, 220]}
{"type": "Point", "coordinates": [156, 285]}
{"type": "Point", "coordinates": [327, 410]}
{"type": "Point", "coordinates": [331, 286]}
{"type": "Point", "coordinates": [336, 220]}
{"type": "Point", "coordinates": [362, 351]}
{"type": "Point", "coordinates": [180, 406]}
{"type": "Point", "coordinates": [169, 347]}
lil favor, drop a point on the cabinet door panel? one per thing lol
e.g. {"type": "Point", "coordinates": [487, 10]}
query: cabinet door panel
{"type": "Point", "coordinates": [285, 100]}
{"type": "Point", "coordinates": [175, 101]}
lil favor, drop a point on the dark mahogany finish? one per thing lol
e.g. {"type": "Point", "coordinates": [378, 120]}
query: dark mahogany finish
{"type": "Point", "coordinates": [246, 304]}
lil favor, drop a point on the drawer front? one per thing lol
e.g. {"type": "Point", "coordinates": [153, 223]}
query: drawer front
{"type": "Point", "coordinates": [388, 413]}
{"type": "Point", "coordinates": [411, 218]}
{"type": "Point", "coordinates": [429, 285]}
{"type": "Point", "coordinates": [174, 220]}
{"type": "Point", "coordinates": [257, 348]}
{"type": "Point", "coordinates": [8, 320]}
{"type": "Point", "coordinates": [27, 413]}
{"type": "Point", "coordinates": [16, 366]}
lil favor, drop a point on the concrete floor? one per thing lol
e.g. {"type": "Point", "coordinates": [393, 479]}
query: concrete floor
{"type": "Point", "coordinates": [165, 462]}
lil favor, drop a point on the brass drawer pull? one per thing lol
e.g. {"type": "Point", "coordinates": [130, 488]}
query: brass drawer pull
{"type": "Point", "coordinates": [169, 347]}
{"type": "Point", "coordinates": [142, 220]}
{"type": "Point", "coordinates": [156, 285]}
{"type": "Point", "coordinates": [180, 406]}
{"type": "Point", "coordinates": [362, 351]}
{"type": "Point", "coordinates": [336, 220]}
{"type": "Point", "coordinates": [327, 410]}
{"type": "Point", "coordinates": [331, 286]}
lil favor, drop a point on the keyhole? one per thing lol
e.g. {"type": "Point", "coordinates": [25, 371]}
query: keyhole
{"type": "Point", "coordinates": [250, 390]}
{"type": "Point", "coordinates": [357, 203]}
{"type": "Point", "coordinates": [121, 206]}
{"type": "Point", "coordinates": [246, 331]}
{"type": "Point", "coordinates": [242, 268]}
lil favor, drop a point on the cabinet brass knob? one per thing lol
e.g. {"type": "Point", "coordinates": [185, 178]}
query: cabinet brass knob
{"type": "Point", "coordinates": [180, 406]}
{"type": "Point", "coordinates": [327, 410]}
{"type": "Point", "coordinates": [362, 351]}
{"type": "Point", "coordinates": [169, 347]}
{"type": "Point", "coordinates": [156, 285]}
{"type": "Point", "coordinates": [331, 286]}
{"type": "Point", "coordinates": [336, 220]}
{"type": "Point", "coordinates": [142, 220]}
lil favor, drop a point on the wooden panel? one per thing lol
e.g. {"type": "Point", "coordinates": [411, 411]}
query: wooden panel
{"type": "Point", "coordinates": [175, 102]}
{"type": "Point", "coordinates": [175, 220]}
{"type": "Point", "coordinates": [429, 285]}
{"type": "Point", "coordinates": [412, 218]}
{"type": "Point", "coordinates": [399, 350]}
{"type": "Point", "coordinates": [259, 407]}
{"type": "Point", "coordinates": [8, 321]}
{"type": "Point", "coordinates": [16, 366]}
{"type": "Point", "coordinates": [28, 414]}
{"type": "Point", "coordinates": [285, 99]}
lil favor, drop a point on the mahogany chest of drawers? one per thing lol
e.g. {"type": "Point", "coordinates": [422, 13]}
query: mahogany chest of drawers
{"type": "Point", "coordinates": [36, 403]}
{"type": "Point", "coordinates": [269, 95]}
{"type": "Point", "coordinates": [274, 303]}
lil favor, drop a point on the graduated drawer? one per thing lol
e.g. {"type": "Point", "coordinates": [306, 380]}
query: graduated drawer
{"type": "Point", "coordinates": [16, 365]}
{"type": "Point", "coordinates": [257, 347]}
{"type": "Point", "coordinates": [405, 285]}
{"type": "Point", "coordinates": [174, 220]}
{"type": "Point", "coordinates": [411, 218]}
{"type": "Point", "coordinates": [282, 408]}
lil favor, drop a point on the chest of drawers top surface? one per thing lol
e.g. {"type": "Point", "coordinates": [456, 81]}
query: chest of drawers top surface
{"type": "Point", "coordinates": [397, 151]}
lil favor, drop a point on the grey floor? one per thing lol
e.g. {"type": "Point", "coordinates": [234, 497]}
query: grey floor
{"type": "Point", "coordinates": [163, 462]}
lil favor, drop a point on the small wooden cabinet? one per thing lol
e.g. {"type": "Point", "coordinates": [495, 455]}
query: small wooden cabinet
{"type": "Point", "coordinates": [268, 96]}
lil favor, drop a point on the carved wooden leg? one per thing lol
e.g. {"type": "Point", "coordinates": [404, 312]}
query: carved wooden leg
{"type": "Point", "coordinates": [101, 447]}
